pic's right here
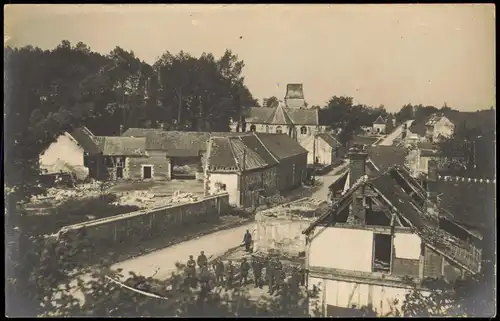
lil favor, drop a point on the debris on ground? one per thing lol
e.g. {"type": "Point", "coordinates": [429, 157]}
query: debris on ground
{"type": "Point", "coordinates": [145, 199]}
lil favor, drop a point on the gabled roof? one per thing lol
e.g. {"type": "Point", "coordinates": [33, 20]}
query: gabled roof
{"type": "Point", "coordinates": [229, 154]}
{"type": "Point", "coordinates": [330, 139]}
{"type": "Point", "coordinates": [281, 146]}
{"type": "Point", "coordinates": [122, 146]}
{"type": "Point", "coordinates": [409, 210]}
{"type": "Point", "coordinates": [470, 203]}
{"type": "Point", "coordinates": [379, 121]}
{"type": "Point", "coordinates": [386, 156]}
{"type": "Point", "coordinates": [259, 115]}
{"type": "Point", "coordinates": [280, 117]}
{"type": "Point", "coordinates": [84, 137]}
{"type": "Point", "coordinates": [253, 143]}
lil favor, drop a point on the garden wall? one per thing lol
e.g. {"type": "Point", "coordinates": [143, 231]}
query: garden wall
{"type": "Point", "coordinates": [143, 225]}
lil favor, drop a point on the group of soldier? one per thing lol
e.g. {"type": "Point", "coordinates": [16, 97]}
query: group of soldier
{"type": "Point", "coordinates": [226, 275]}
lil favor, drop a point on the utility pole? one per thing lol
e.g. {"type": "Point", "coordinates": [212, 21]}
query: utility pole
{"type": "Point", "coordinates": [242, 179]}
{"type": "Point", "coordinates": [314, 157]}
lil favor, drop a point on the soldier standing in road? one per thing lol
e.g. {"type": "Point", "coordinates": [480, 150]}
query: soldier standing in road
{"type": "Point", "coordinates": [219, 271]}
{"type": "Point", "coordinates": [244, 268]}
{"type": "Point", "coordinates": [191, 271]}
{"type": "Point", "coordinates": [247, 239]}
{"type": "Point", "coordinates": [202, 259]}
{"type": "Point", "coordinates": [229, 275]}
{"type": "Point", "coordinates": [257, 271]}
{"type": "Point", "coordinates": [204, 277]}
{"type": "Point", "coordinates": [270, 275]}
{"type": "Point", "coordinates": [278, 274]}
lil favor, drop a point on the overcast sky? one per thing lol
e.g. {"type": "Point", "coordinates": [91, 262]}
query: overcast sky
{"type": "Point", "coordinates": [378, 54]}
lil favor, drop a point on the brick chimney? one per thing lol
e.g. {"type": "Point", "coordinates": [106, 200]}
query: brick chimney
{"type": "Point", "coordinates": [432, 177]}
{"type": "Point", "coordinates": [357, 169]}
{"type": "Point", "coordinates": [121, 129]}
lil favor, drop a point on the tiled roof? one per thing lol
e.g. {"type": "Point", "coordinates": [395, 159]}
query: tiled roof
{"type": "Point", "coordinates": [470, 203]}
{"type": "Point", "coordinates": [229, 154]}
{"type": "Point", "coordinates": [281, 117]}
{"type": "Point", "coordinates": [363, 140]}
{"type": "Point", "coordinates": [86, 140]}
{"type": "Point", "coordinates": [386, 156]}
{"type": "Point", "coordinates": [427, 226]}
{"type": "Point", "coordinates": [259, 115]}
{"type": "Point", "coordinates": [122, 146]}
{"type": "Point", "coordinates": [379, 121]}
{"type": "Point", "coordinates": [303, 116]}
{"type": "Point", "coordinates": [281, 146]}
{"type": "Point", "coordinates": [329, 139]}
{"type": "Point", "coordinates": [253, 143]}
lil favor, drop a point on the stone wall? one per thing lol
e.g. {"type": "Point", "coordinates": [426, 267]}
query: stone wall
{"type": "Point", "coordinates": [131, 228]}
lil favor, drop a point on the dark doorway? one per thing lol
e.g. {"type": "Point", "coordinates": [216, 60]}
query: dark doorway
{"type": "Point", "coordinates": [146, 172]}
{"type": "Point", "coordinates": [119, 172]}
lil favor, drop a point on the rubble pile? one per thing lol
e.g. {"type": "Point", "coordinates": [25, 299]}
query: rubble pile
{"type": "Point", "coordinates": [58, 195]}
{"type": "Point", "coordinates": [146, 199]}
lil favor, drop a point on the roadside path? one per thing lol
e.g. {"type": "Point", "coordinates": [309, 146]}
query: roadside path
{"type": "Point", "coordinates": [389, 140]}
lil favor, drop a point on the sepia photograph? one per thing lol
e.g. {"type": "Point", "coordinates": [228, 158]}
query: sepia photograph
{"type": "Point", "coordinates": [250, 160]}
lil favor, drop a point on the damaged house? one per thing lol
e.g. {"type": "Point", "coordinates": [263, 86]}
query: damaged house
{"type": "Point", "coordinates": [67, 153]}
{"type": "Point", "coordinates": [252, 166]}
{"type": "Point", "coordinates": [391, 230]}
{"type": "Point", "coordinates": [119, 158]}
{"type": "Point", "coordinates": [379, 159]}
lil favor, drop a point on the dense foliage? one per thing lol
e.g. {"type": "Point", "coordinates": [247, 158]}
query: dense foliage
{"type": "Point", "coordinates": [342, 113]}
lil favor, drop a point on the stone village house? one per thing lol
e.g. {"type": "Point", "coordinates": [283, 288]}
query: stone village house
{"type": "Point", "coordinates": [252, 166]}
{"type": "Point", "coordinates": [391, 230]}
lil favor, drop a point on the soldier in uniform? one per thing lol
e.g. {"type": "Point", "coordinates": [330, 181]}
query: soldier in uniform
{"type": "Point", "coordinates": [202, 259]}
{"type": "Point", "coordinates": [204, 277]}
{"type": "Point", "coordinates": [279, 275]}
{"type": "Point", "coordinates": [219, 271]}
{"type": "Point", "coordinates": [244, 268]}
{"type": "Point", "coordinates": [257, 271]}
{"type": "Point", "coordinates": [191, 271]}
{"type": "Point", "coordinates": [229, 275]}
{"type": "Point", "coordinates": [247, 240]}
{"type": "Point", "coordinates": [270, 275]}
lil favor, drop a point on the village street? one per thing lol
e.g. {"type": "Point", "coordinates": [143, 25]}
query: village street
{"type": "Point", "coordinates": [162, 262]}
{"type": "Point", "coordinates": [388, 141]}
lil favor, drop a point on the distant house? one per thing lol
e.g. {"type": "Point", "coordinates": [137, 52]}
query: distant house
{"type": "Point", "coordinates": [379, 126]}
{"type": "Point", "coordinates": [67, 153]}
{"type": "Point", "coordinates": [250, 166]}
{"type": "Point", "coordinates": [388, 229]}
{"type": "Point", "coordinates": [327, 152]}
{"type": "Point", "coordinates": [433, 128]}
